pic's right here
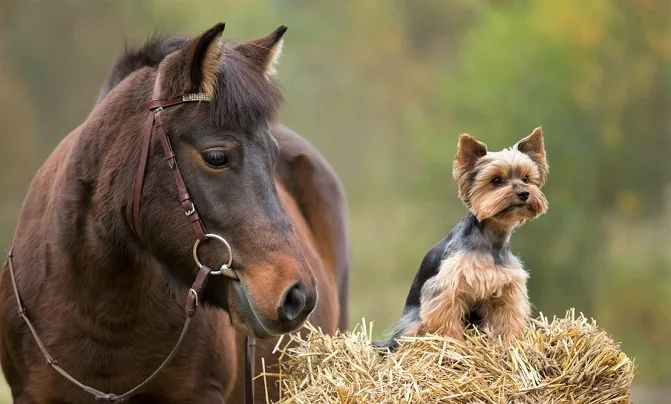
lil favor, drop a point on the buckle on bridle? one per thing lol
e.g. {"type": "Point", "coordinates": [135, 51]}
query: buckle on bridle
{"type": "Point", "coordinates": [191, 210]}
{"type": "Point", "coordinates": [193, 292]}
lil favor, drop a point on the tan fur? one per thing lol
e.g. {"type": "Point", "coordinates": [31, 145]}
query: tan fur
{"type": "Point", "coordinates": [490, 184]}
{"type": "Point", "coordinates": [511, 166]}
{"type": "Point", "coordinates": [469, 151]}
{"type": "Point", "coordinates": [506, 315]}
{"type": "Point", "coordinates": [523, 165]}
{"type": "Point", "coordinates": [467, 277]}
{"type": "Point", "coordinates": [534, 146]}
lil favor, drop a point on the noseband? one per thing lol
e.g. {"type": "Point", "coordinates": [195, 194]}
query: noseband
{"type": "Point", "coordinates": [154, 121]}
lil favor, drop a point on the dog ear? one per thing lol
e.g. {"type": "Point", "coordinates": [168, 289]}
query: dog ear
{"type": "Point", "coordinates": [469, 151]}
{"type": "Point", "coordinates": [534, 147]}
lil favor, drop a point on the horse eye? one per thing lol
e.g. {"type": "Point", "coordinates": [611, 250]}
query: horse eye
{"type": "Point", "coordinates": [215, 158]}
{"type": "Point", "coordinates": [497, 181]}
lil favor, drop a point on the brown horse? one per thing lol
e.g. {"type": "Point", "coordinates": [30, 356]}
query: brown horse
{"type": "Point", "coordinates": [104, 250]}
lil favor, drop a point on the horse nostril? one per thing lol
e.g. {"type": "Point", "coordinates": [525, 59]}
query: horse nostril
{"type": "Point", "coordinates": [293, 303]}
{"type": "Point", "coordinates": [523, 195]}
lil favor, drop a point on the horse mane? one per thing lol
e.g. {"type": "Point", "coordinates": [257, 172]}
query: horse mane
{"type": "Point", "coordinates": [133, 58]}
{"type": "Point", "coordinates": [241, 98]}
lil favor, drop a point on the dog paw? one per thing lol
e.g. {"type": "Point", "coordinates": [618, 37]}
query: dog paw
{"type": "Point", "coordinates": [456, 334]}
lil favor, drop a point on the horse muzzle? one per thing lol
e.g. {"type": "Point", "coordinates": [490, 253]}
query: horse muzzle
{"type": "Point", "coordinates": [297, 304]}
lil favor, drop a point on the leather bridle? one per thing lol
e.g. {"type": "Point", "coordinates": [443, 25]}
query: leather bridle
{"type": "Point", "coordinates": [154, 122]}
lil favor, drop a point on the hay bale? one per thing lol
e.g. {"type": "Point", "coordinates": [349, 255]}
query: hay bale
{"type": "Point", "coordinates": [568, 360]}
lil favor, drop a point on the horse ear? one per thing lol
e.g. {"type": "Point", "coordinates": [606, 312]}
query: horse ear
{"type": "Point", "coordinates": [205, 59]}
{"type": "Point", "coordinates": [264, 52]}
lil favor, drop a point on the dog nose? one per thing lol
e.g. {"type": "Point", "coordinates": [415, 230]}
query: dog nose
{"type": "Point", "coordinates": [523, 195]}
{"type": "Point", "coordinates": [294, 302]}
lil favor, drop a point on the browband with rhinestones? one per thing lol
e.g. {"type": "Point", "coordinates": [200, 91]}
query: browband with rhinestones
{"type": "Point", "coordinates": [196, 97]}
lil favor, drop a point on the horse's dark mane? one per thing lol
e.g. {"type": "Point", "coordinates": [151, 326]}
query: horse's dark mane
{"type": "Point", "coordinates": [149, 54]}
{"type": "Point", "coordinates": [241, 97]}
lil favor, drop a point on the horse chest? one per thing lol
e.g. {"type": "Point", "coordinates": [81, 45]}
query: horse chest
{"type": "Point", "coordinates": [117, 360]}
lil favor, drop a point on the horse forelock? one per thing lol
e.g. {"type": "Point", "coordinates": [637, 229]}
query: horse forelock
{"type": "Point", "coordinates": [243, 96]}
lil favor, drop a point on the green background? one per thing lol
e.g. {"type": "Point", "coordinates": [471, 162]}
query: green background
{"type": "Point", "coordinates": [384, 88]}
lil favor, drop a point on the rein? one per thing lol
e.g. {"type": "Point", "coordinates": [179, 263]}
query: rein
{"type": "Point", "coordinates": [154, 120]}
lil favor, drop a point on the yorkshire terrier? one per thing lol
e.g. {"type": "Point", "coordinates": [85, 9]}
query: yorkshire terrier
{"type": "Point", "coordinates": [470, 277]}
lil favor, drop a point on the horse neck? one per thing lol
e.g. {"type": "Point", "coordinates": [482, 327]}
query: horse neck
{"type": "Point", "coordinates": [100, 260]}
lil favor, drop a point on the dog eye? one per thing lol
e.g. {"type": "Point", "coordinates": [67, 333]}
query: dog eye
{"type": "Point", "coordinates": [526, 179]}
{"type": "Point", "coordinates": [497, 181]}
{"type": "Point", "coordinates": [215, 158]}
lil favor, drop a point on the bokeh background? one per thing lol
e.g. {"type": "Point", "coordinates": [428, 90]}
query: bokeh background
{"type": "Point", "coordinates": [384, 88]}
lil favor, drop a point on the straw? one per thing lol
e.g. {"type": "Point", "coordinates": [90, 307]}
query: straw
{"type": "Point", "coordinates": [568, 360]}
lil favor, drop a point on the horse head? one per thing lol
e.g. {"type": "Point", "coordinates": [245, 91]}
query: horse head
{"type": "Point", "coordinates": [226, 158]}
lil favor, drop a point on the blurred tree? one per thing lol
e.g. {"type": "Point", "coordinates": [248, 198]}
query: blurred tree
{"type": "Point", "coordinates": [433, 27]}
{"type": "Point", "coordinates": [47, 62]}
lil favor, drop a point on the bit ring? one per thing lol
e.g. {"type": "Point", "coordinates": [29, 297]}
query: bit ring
{"type": "Point", "coordinates": [225, 269]}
